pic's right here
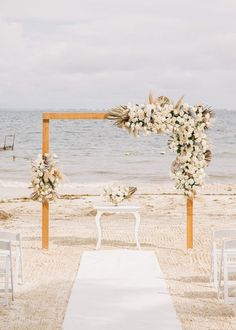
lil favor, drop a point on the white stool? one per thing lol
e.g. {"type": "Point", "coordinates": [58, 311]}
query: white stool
{"type": "Point", "coordinates": [117, 209]}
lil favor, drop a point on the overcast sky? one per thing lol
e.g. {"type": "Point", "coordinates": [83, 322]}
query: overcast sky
{"type": "Point", "coordinates": [101, 53]}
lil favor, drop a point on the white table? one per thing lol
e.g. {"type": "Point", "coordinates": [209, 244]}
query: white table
{"type": "Point", "coordinates": [117, 209]}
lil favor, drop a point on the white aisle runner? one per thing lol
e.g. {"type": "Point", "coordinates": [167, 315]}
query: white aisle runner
{"type": "Point", "coordinates": [119, 290]}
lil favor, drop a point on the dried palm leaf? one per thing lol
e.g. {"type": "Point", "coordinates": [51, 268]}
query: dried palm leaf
{"type": "Point", "coordinates": [192, 113]}
{"type": "Point", "coordinates": [175, 166]}
{"type": "Point", "coordinates": [179, 103]}
{"type": "Point", "coordinates": [162, 100]}
{"type": "Point", "coordinates": [131, 191]}
{"type": "Point", "coordinates": [119, 114]}
{"type": "Point", "coordinates": [208, 110]}
{"type": "Point", "coordinates": [208, 156]}
{"type": "Point", "coordinates": [34, 196]}
{"type": "Point", "coordinates": [152, 99]}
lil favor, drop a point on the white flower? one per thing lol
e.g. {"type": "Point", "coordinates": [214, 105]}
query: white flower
{"type": "Point", "coordinates": [191, 181]}
{"type": "Point", "coordinates": [44, 170]}
{"type": "Point", "coordinates": [117, 193]}
{"type": "Point", "coordinates": [141, 114]}
{"type": "Point", "coordinates": [186, 126]}
{"type": "Point", "coordinates": [176, 111]}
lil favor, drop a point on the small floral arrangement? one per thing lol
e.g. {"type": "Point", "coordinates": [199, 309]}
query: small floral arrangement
{"type": "Point", "coordinates": [45, 178]}
{"type": "Point", "coordinates": [186, 126]}
{"type": "Point", "coordinates": [117, 193]}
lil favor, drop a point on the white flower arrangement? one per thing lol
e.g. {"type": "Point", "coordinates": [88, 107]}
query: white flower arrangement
{"type": "Point", "coordinates": [45, 178]}
{"type": "Point", "coordinates": [186, 126]}
{"type": "Point", "coordinates": [117, 193]}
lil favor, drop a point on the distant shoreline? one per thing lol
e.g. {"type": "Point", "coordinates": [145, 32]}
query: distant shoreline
{"type": "Point", "coordinates": [78, 191]}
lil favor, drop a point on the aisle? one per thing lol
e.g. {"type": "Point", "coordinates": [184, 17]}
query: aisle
{"type": "Point", "coordinates": [120, 289]}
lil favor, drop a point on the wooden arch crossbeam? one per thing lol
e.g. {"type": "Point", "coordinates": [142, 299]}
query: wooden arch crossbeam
{"type": "Point", "coordinates": [47, 116]}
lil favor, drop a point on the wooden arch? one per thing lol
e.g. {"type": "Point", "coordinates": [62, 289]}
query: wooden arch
{"type": "Point", "coordinates": [47, 116]}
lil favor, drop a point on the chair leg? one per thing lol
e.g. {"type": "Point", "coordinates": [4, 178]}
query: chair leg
{"type": "Point", "coordinates": [21, 264]}
{"type": "Point", "coordinates": [12, 279]}
{"type": "Point", "coordinates": [220, 272]}
{"type": "Point", "coordinates": [212, 267]}
{"type": "Point", "coordinates": [215, 269]}
{"type": "Point", "coordinates": [226, 289]}
{"type": "Point", "coordinates": [6, 289]}
{"type": "Point", "coordinates": [16, 269]}
{"type": "Point", "coordinates": [98, 224]}
{"type": "Point", "coordinates": [21, 269]}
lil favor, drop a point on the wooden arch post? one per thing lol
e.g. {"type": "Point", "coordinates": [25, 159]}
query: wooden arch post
{"type": "Point", "coordinates": [47, 116]}
{"type": "Point", "coordinates": [45, 205]}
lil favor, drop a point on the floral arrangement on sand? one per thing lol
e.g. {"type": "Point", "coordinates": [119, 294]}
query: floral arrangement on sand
{"type": "Point", "coordinates": [45, 178]}
{"type": "Point", "coordinates": [117, 193]}
{"type": "Point", "coordinates": [185, 124]}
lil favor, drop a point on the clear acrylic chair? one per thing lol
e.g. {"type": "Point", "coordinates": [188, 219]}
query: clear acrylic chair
{"type": "Point", "coordinates": [217, 237]}
{"type": "Point", "coordinates": [6, 268]}
{"type": "Point", "coordinates": [15, 240]}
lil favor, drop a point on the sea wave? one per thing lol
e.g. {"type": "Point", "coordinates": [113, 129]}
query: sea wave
{"type": "Point", "coordinates": [13, 184]}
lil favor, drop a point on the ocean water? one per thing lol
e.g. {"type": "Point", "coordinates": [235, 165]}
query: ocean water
{"type": "Point", "coordinates": [97, 151]}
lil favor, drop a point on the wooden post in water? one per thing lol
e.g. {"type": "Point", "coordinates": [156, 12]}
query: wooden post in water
{"type": "Point", "coordinates": [189, 209]}
{"type": "Point", "coordinates": [45, 205]}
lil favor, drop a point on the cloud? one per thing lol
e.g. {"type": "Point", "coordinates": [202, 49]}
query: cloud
{"type": "Point", "coordinates": [101, 53]}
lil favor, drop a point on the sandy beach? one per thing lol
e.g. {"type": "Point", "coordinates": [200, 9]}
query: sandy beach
{"type": "Point", "coordinates": [138, 94]}
{"type": "Point", "coordinates": [41, 302]}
